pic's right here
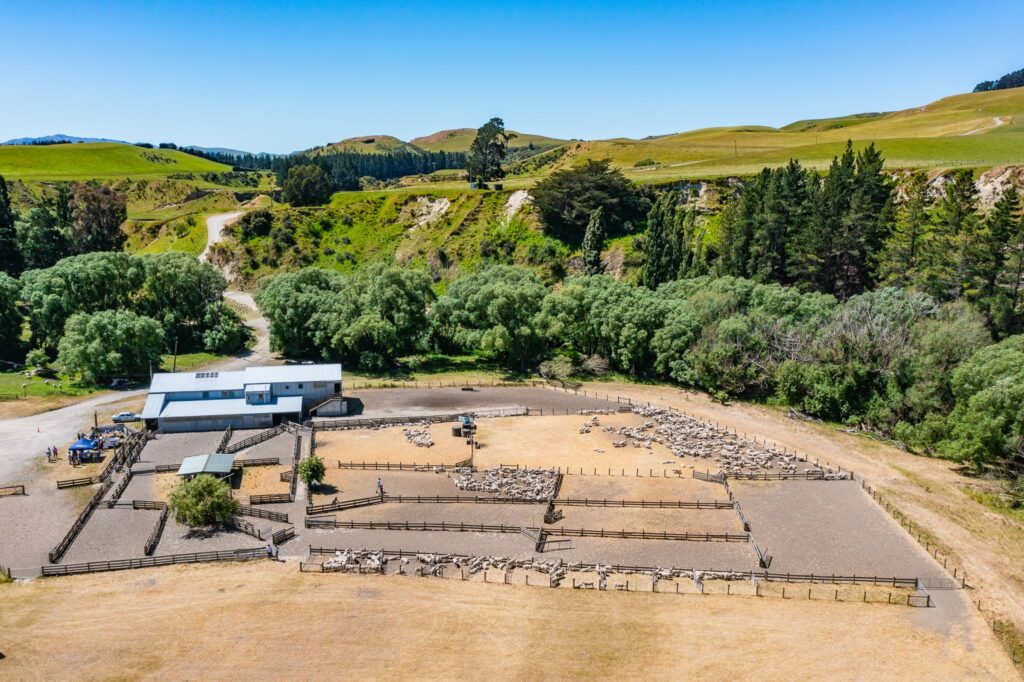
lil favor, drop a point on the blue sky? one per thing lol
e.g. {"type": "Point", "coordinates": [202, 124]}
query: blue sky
{"type": "Point", "coordinates": [280, 76]}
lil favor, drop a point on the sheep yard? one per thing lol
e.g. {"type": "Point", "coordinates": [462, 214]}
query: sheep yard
{"type": "Point", "coordinates": [644, 521]}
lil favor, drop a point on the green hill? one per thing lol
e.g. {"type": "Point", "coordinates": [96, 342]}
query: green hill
{"type": "Point", "coordinates": [103, 160]}
{"type": "Point", "coordinates": [459, 139]}
{"type": "Point", "coordinates": [366, 144]}
{"type": "Point", "coordinates": [976, 130]}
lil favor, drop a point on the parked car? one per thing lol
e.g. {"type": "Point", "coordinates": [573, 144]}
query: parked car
{"type": "Point", "coordinates": [122, 417]}
{"type": "Point", "coordinates": [118, 383]}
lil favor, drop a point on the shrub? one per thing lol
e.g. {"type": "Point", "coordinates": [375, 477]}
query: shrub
{"type": "Point", "coordinates": [312, 470]}
{"type": "Point", "coordinates": [202, 501]}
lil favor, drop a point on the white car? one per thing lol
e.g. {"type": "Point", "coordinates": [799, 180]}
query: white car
{"type": "Point", "coordinates": [122, 417]}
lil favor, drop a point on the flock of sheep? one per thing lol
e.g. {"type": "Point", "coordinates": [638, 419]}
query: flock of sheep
{"type": "Point", "coordinates": [532, 484]}
{"type": "Point", "coordinates": [688, 437]}
{"type": "Point", "coordinates": [365, 561]}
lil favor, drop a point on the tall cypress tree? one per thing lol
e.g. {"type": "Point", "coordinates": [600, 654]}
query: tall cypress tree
{"type": "Point", "coordinates": [593, 240]}
{"type": "Point", "coordinates": [10, 257]}
{"type": "Point", "coordinates": [1001, 262]}
{"type": "Point", "coordinates": [62, 207]}
{"type": "Point", "coordinates": [662, 246]}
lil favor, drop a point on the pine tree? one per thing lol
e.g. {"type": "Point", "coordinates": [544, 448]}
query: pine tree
{"type": "Point", "coordinates": [828, 253]}
{"type": "Point", "coordinates": [901, 257]}
{"type": "Point", "coordinates": [10, 257]}
{"type": "Point", "coordinates": [62, 208]}
{"type": "Point", "coordinates": [593, 240]}
{"type": "Point", "coordinates": [1002, 255]}
{"type": "Point", "coordinates": [951, 265]}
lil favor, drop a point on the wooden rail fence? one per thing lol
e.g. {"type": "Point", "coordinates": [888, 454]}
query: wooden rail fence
{"type": "Point", "coordinates": [57, 553]}
{"type": "Point", "coordinates": [344, 423]}
{"type": "Point", "coordinates": [149, 504]}
{"type": "Point", "coordinates": [254, 439]}
{"type": "Point", "coordinates": [166, 560]}
{"type": "Point", "coordinates": [398, 466]}
{"type": "Point", "coordinates": [119, 488]}
{"type": "Point", "coordinates": [75, 482]}
{"type": "Point", "coordinates": [272, 498]}
{"type": "Point", "coordinates": [244, 526]}
{"type": "Point", "coordinates": [644, 535]}
{"type": "Point", "coordinates": [225, 439]}
{"type": "Point", "coordinates": [282, 536]}
{"type": "Point", "coordinates": [257, 462]}
{"type": "Point", "coordinates": [158, 531]}
{"type": "Point", "coordinates": [411, 525]}
{"type": "Point", "coordinates": [647, 504]}
{"type": "Point", "coordinates": [12, 490]}
{"type": "Point", "coordinates": [246, 510]}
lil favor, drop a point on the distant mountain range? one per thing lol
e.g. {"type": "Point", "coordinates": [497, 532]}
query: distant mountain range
{"type": "Point", "coordinates": [59, 138]}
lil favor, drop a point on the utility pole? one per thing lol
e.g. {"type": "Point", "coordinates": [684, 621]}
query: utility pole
{"type": "Point", "coordinates": [174, 363]}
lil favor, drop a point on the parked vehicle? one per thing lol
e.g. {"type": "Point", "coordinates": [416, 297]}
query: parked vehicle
{"type": "Point", "coordinates": [118, 383]}
{"type": "Point", "coordinates": [122, 417]}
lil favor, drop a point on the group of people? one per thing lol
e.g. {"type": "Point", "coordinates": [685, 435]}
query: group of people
{"type": "Point", "coordinates": [53, 453]}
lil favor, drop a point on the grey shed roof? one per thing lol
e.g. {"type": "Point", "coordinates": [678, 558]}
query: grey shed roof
{"type": "Point", "coordinates": [229, 407]}
{"type": "Point", "coordinates": [281, 374]}
{"type": "Point", "coordinates": [217, 463]}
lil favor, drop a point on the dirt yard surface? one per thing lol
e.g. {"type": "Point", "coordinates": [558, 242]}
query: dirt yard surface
{"type": "Point", "coordinates": [389, 402]}
{"type": "Point", "coordinates": [641, 488]}
{"type": "Point", "coordinates": [112, 533]}
{"type": "Point", "coordinates": [170, 623]}
{"type": "Point", "coordinates": [350, 484]}
{"type": "Point", "coordinates": [261, 480]}
{"type": "Point", "coordinates": [390, 446]}
{"type": "Point", "coordinates": [488, 514]}
{"type": "Point", "coordinates": [668, 520]}
{"type": "Point", "coordinates": [829, 527]}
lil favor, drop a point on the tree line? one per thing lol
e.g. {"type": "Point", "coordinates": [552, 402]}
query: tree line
{"type": "Point", "coordinates": [1014, 79]}
{"type": "Point", "coordinates": [113, 314]}
{"type": "Point", "coordinates": [851, 231]}
{"type": "Point", "coordinates": [895, 361]}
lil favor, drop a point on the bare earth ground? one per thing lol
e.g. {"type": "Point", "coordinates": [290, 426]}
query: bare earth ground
{"type": "Point", "coordinates": [242, 621]}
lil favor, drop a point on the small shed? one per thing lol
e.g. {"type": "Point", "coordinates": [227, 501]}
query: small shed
{"type": "Point", "coordinates": [217, 464]}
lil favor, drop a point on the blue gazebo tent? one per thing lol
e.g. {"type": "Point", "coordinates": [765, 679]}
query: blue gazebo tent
{"type": "Point", "coordinates": [83, 445]}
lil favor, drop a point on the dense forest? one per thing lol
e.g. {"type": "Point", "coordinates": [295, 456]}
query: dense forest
{"type": "Point", "coordinates": [344, 169]}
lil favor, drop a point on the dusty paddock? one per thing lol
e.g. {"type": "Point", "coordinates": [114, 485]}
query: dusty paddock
{"type": "Point", "coordinates": [537, 441]}
{"type": "Point", "coordinates": [174, 623]}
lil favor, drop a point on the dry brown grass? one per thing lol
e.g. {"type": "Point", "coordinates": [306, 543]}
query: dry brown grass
{"type": "Point", "coordinates": [244, 621]}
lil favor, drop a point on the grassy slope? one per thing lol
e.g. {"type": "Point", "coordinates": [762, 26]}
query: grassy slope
{"type": "Point", "coordinates": [97, 160]}
{"type": "Point", "coordinates": [926, 137]}
{"type": "Point", "coordinates": [367, 144]}
{"type": "Point", "coordinates": [459, 139]}
{"type": "Point", "coordinates": [359, 228]}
